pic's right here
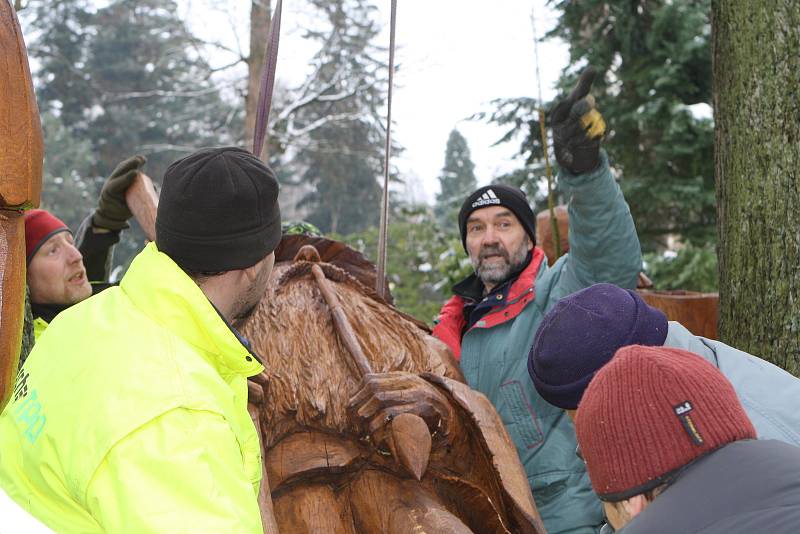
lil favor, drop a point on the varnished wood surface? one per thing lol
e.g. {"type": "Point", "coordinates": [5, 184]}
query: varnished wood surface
{"type": "Point", "coordinates": [21, 146]}
{"type": "Point", "coordinates": [12, 298]}
{"type": "Point", "coordinates": [544, 232]}
{"type": "Point", "coordinates": [328, 470]}
{"type": "Point", "coordinates": [21, 158]}
{"type": "Point", "coordinates": [142, 200]}
{"type": "Point", "coordinates": [696, 311]}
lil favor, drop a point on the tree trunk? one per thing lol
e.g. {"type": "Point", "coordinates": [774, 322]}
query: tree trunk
{"type": "Point", "coordinates": [260, 19]}
{"type": "Point", "coordinates": [756, 55]}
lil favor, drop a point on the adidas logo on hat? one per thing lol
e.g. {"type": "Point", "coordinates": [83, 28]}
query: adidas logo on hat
{"type": "Point", "coordinates": [485, 199]}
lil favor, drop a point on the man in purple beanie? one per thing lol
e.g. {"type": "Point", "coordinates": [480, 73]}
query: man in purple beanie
{"type": "Point", "coordinates": [581, 333]}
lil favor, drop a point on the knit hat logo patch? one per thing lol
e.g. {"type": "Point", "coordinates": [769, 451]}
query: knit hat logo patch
{"type": "Point", "coordinates": [486, 199]}
{"type": "Point", "coordinates": [683, 411]}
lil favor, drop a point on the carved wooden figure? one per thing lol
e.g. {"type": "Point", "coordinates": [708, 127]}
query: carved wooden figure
{"type": "Point", "coordinates": [350, 385]}
{"type": "Point", "coordinates": [344, 449]}
{"type": "Point", "coordinates": [21, 157]}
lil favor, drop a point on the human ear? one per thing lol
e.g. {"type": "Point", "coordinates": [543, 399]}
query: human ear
{"type": "Point", "coordinates": [635, 505]}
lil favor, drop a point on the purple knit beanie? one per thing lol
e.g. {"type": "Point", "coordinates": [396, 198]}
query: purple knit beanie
{"type": "Point", "coordinates": [581, 333]}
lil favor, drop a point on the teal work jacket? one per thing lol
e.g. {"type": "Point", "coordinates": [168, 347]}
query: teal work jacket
{"type": "Point", "coordinates": [494, 352]}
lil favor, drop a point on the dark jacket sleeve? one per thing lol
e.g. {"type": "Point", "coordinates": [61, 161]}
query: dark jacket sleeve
{"type": "Point", "coordinates": [97, 250]}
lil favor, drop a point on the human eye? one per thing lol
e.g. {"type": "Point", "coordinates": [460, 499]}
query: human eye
{"type": "Point", "coordinates": [474, 227]}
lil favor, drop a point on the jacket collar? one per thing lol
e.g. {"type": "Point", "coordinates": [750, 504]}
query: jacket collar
{"type": "Point", "coordinates": [163, 292]}
{"type": "Point", "coordinates": [471, 288]}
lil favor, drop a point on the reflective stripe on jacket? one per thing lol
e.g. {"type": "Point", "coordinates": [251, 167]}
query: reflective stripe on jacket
{"type": "Point", "coordinates": [603, 248]}
{"type": "Point", "coordinates": [130, 414]}
{"type": "Point", "coordinates": [769, 395]}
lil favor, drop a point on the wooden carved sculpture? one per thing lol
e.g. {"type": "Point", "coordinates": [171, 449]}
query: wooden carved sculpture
{"type": "Point", "coordinates": [333, 464]}
{"type": "Point", "coordinates": [336, 462]}
{"type": "Point", "coordinates": [21, 157]}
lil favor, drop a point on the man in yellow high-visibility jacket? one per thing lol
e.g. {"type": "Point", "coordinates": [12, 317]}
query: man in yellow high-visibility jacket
{"type": "Point", "coordinates": [130, 414]}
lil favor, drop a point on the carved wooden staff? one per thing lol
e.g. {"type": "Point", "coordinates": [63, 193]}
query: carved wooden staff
{"type": "Point", "coordinates": [21, 156]}
{"type": "Point", "coordinates": [142, 200]}
{"type": "Point", "coordinates": [408, 437]}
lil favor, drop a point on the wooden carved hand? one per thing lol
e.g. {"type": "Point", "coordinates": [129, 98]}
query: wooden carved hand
{"type": "Point", "coordinates": [383, 397]}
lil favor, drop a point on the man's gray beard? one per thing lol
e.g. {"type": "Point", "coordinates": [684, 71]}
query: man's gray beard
{"type": "Point", "coordinates": [496, 273]}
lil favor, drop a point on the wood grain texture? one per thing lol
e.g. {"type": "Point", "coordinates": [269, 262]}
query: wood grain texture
{"type": "Point", "coordinates": [21, 146]}
{"type": "Point", "coordinates": [12, 298]}
{"type": "Point", "coordinates": [696, 311]}
{"type": "Point", "coordinates": [142, 200]}
{"type": "Point", "coordinates": [327, 473]}
{"type": "Point", "coordinates": [544, 232]}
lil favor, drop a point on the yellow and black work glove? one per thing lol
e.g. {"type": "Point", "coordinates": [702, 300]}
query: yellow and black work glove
{"type": "Point", "coordinates": [578, 128]}
{"type": "Point", "coordinates": [112, 211]}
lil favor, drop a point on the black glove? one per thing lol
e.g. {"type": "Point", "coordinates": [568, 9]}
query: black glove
{"type": "Point", "coordinates": [112, 211]}
{"type": "Point", "coordinates": [578, 128]}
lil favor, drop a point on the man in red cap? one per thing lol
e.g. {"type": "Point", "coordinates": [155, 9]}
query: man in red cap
{"type": "Point", "coordinates": [60, 266]}
{"type": "Point", "coordinates": [141, 425]}
{"type": "Point", "coordinates": [669, 448]}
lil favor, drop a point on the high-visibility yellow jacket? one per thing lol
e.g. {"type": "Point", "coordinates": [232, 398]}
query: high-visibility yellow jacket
{"type": "Point", "coordinates": [130, 414]}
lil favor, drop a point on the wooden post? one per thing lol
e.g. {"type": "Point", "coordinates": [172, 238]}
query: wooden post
{"type": "Point", "coordinates": [142, 200]}
{"type": "Point", "coordinates": [21, 157]}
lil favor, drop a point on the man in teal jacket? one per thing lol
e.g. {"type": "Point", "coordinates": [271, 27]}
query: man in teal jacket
{"type": "Point", "coordinates": [130, 414]}
{"type": "Point", "coordinates": [491, 320]}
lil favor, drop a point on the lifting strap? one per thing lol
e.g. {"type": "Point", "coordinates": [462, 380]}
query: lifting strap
{"type": "Point", "coordinates": [267, 82]}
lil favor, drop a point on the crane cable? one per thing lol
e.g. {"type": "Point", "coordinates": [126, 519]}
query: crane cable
{"type": "Point", "coordinates": [380, 285]}
{"type": "Point", "coordinates": [262, 118]}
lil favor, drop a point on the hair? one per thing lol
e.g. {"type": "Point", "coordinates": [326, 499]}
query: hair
{"type": "Point", "coordinates": [650, 495]}
{"type": "Point", "coordinates": [200, 277]}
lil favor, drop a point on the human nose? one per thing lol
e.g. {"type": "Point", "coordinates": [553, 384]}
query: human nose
{"type": "Point", "coordinates": [73, 254]}
{"type": "Point", "coordinates": [490, 236]}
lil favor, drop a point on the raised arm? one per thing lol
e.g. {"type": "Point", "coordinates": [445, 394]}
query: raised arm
{"type": "Point", "coordinates": [604, 246]}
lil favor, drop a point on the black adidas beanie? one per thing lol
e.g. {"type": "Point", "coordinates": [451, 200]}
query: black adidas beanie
{"type": "Point", "coordinates": [498, 195]}
{"type": "Point", "coordinates": [218, 211]}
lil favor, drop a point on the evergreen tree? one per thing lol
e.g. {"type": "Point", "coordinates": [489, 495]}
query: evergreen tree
{"type": "Point", "coordinates": [415, 248]}
{"type": "Point", "coordinates": [342, 154]}
{"type": "Point", "coordinates": [457, 179]}
{"type": "Point", "coordinates": [125, 78]}
{"type": "Point", "coordinates": [654, 65]}
{"type": "Point", "coordinates": [68, 190]}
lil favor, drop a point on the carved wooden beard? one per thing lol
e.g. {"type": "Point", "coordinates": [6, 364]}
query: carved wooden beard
{"type": "Point", "coordinates": [311, 377]}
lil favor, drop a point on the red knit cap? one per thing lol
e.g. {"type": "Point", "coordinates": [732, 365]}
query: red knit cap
{"type": "Point", "coordinates": [40, 225]}
{"type": "Point", "coordinates": [650, 411]}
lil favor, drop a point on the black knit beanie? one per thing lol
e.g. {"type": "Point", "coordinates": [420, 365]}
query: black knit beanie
{"type": "Point", "coordinates": [498, 195]}
{"type": "Point", "coordinates": [218, 211]}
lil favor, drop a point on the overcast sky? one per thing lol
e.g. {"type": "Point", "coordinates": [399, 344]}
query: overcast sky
{"type": "Point", "coordinates": [456, 56]}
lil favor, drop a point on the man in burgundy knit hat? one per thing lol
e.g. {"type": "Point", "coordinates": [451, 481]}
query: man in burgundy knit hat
{"type": "Point", "coordinates": [669, 448]}
{"type": "Point", "coordinates": [601, 319]}
{"type": "Point", "coordinates": [61, 266]}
